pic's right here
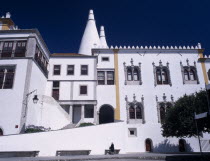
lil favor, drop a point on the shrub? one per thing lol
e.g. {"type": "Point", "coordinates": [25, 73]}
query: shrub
{"type": "Point", "coordinates": [33, 129]}
{"type": "Point", "coordinates": [86, 124]}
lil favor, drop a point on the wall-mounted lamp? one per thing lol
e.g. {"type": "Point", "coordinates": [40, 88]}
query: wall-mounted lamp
{"type": "Point", "coordinates": [35, 99]}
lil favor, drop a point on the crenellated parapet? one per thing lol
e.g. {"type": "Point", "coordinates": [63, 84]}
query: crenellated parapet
{"type": "Point", "coordinates": [154, 47]}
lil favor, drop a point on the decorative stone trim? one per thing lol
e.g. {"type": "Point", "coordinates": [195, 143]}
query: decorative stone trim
{"type": "Point", "coordinates": [135, 105]}
{"type": "Point", "coordinates": [132, 67]}
{"type": "Point", "coordinates": [165, 102]}
{"type": "Point", "coordinates": [161, 67]}
{"type": "Point", "coordinates": [189, 68]}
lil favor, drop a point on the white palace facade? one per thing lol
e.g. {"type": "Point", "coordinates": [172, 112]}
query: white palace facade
{"type": "Point", "coordinates": [123, 90]}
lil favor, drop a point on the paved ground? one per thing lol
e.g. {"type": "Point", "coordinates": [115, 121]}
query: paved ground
{"type": "Point", "coordinates": [120, 157]}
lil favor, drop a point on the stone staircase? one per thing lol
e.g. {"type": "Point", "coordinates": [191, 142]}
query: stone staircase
{"type": "Point", "coordinates": [69, 126]}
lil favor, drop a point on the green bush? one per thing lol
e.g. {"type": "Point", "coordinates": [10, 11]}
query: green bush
{"type": "Point", "coordinates": [32, 130]}
{"type": "Point", "coordinates": [86, 124]}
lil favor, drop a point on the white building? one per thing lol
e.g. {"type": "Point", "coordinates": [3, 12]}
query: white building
{"type": "Point", "coordinates": [131, 86]}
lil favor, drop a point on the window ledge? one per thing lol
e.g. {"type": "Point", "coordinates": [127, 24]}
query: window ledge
{"type": "Point", "coordinates": [191, 82]}
{"type": "Point", "coordinates": [133, 82]}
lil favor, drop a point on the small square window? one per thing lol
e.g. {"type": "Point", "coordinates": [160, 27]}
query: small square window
{"type": "Point", "coordinates": [57, 70]}
{"type": "Point", "coordinates": [83, 90]}
{"type": "Point", "coordinates": [132, 132]}
{"type": "Point", "coordinates": [84, 70]}
{"type": "Point", "coordinates": [70, 70]}
{"type": "Point", "coordinates": [105, 58]}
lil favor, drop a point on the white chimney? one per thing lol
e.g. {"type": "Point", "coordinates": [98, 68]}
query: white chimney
{"type": "Point", "coordinates": [8, 15]}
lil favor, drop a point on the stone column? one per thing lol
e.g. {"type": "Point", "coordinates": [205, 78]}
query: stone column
{"type": "Point", "coordinates": [83, 113]}
{"type": "Point", "coordinates": [95, 115]}
{"type": "Point", "coordinates": [71, 113]}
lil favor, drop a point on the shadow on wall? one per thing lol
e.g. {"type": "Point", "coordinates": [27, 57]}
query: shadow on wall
{"type": "Point", "coordinates": [166, 147]}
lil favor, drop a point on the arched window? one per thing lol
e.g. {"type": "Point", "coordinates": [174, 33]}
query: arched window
{"type": "Point", "coordinates": [1, 132]}
{"type": "Point", "coordinates": [192, 75]}
{"type": "Point", "coordinates": [186, 75]}
{"type": "Point", "coordinates": [138, 112]}
{"type": "Point", "coordinates": [132, 112]}
{"type": "Point", "coordinates": [129, 74]}
{"type": "Point", "coordinates": [162, 114]}
{"type": "Point", "coordinates": [158, 74]}
{"type": "Point", "coordinates": [135, 74]}
{"type": "Point", "coordinates": [164, 76]}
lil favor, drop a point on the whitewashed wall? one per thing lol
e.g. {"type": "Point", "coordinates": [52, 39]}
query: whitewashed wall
{"type": "Point", "coordinates": [94, 138]}
{"type": "Point", "coordinates": [12, 99]}
{"type": "Point", "coordinates": [70, 84]}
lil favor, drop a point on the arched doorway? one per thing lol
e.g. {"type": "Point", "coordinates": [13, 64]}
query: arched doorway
{"type": "Point", "coordinates": [182, 144]}
{"type": "Point", "coordinates": [1, 132]}
{"type": "Point", "coordinates": [106, 114]}
{"type": "Point", "coordinates": [148, 145]}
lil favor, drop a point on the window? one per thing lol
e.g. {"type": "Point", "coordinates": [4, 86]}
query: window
{"type": "Point", "coordinates": [135, 110]}
{"type": "Point", "coordinates": [162, 76]}
{"type": "Point", "coordinates": [135, 113]}
{"type": "Point", "coordinates": [129, 74]}
{"type": "Point", "coordinates": [110, 77]}
{"type": "Point", "coordinates": [192, 75]}
{"type": "Point", "coordinates": [105, 59]}
{"type": "Point", "coordinates": [132, 132]}
{"type": "Point", "coordinates": [105, 77]}
{"type": "Point", "coordinates": [20, 49]}
{"type": "Point", "coordinates": [57, 70]}
{"type": "Point", "coordinates": [84, 70]}
{"type": "Point", "coordinates": [89, 110]}
{"type": "Point", "coordinates": [163, 108]}
{"type": "Point", "coordinates": [132, 112]}
{"type": "Point", "coordinates": [189, 73]}
{"type": "Point", "coordinates": [41, 60]}
{"type": "Point", "coordinates": [132, 74]}
{"type": "Point", "coordinates": [162, 114]}
{"type": "Point", "coordinates": [55, 90]}
{"type": "Point", "coordinates": [7, 49]}
{"type": "Point", "coordinates": [138, 112]}
{"type": "Point", "coordinates": [135, 74]}
{"type": "Point", "coordinates": [83, 90]}
{"type": "Point", "coordinates": [7, 77]}
{"type": "Point", "coordinates": [186, 75]}
{"type": "Point", "coordinates": [70, 70]}
{"type": "Point", "coordinates": [101, 77]}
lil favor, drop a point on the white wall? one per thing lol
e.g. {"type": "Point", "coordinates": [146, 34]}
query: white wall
{"type": "Point", "coordinates": [12, 99]}
{"type": "Point", "coordinates": [94, 138]}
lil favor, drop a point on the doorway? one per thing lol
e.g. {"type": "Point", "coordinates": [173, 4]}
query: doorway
{"type": "Point", "coordinates": [148, 144]}
{"type": "Point", "coordinates": [182, 145]}
{"type": "Point", "coordinates": [76, 113]}
{"type": "Point", "coordinates": [106, 114]}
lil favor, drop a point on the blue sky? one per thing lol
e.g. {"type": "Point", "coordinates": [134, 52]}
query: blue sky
{"type": "Point", "coordinates": [127, 22]}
